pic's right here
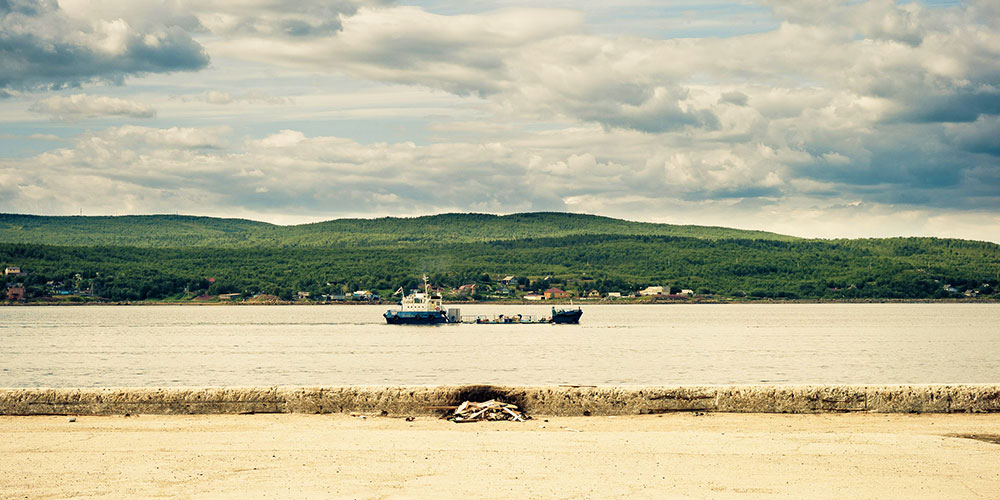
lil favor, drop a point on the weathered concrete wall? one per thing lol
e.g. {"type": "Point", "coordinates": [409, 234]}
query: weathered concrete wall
{"type": "Point", "coordinates": [544, 400]}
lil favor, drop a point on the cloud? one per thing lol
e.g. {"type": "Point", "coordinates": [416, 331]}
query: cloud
{"type": "Point", "coordinates": [900, 62]}
{"type": "Point", "coordinates": [735, 97]}
{"type": "Point", "coordinates": [982, 136]}
{"type": "Point", "coordinates": [251, 97]}
{"type": "Point", "coordinates": [134, 137]}
{"type": "Point", "coordinates": [41, 47]}
{"type": "Point", "coordinates": [531, 59]}
{"type": "Point", "coordinates": [83, 105]}
{"type": "Point", "coordinates": [291, 174]}
{"type": "Point", "coordinates": [266, 18]}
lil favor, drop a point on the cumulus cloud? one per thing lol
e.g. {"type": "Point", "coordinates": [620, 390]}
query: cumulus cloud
{"type": "Point", "coordinates": [266, 18]}
{"type": "Point", "coordinates": [83, 105]}
{"type": "Point", "coordinates": [41, 47]}
{"type": "Point", "coordinates": [981, 136]}
{"type": "Point", "coordinates": [134, 137]}
{"type": "Point", "coordinates": [910, 65]}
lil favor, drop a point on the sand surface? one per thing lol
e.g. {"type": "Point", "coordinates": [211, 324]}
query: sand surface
{"type": "Point", "coordinates": [684, 455]}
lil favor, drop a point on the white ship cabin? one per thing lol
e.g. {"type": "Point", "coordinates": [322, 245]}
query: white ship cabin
{"type": "Point", "coordinates": [422, 301]}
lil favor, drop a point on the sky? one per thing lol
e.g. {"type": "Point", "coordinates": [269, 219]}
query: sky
{"type": "Point", "coordinates": [814, 118]}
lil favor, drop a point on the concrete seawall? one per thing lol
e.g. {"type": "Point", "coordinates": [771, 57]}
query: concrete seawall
{"type": "Point", "coordinates": [536, 400]}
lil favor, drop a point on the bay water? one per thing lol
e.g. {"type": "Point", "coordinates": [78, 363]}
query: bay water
{"type": "Point", "coordinates": [165, 346]}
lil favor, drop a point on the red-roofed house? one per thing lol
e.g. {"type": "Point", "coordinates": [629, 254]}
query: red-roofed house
{"type": "Point", "coordinates": [555, 293]}
{"type": "Point", "coordinates": [15, 292]}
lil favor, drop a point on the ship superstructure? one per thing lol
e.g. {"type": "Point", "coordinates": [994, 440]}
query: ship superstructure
{"type": "Point", "coordinates": [419, 308]}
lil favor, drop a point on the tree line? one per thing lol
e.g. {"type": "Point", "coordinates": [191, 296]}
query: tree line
{"type": "Point", "coordinates": [894, 268]}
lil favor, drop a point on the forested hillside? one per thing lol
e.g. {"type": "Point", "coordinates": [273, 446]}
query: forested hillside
{"type": "Point", "coordinates": [173, 231]}
{"type": "Point", "coordinates": [581, 254]}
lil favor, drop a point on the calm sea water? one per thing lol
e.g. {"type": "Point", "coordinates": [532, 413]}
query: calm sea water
{"type": "Point", "coordinates": [634, 345]}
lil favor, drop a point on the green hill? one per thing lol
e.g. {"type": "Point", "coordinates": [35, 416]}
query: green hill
{"type": "Point", "coordinates": [165, 256]}
{"type": "Point", "coordinates": [127, 230]}
{"type": "Point", "coordinates": [178, 231]}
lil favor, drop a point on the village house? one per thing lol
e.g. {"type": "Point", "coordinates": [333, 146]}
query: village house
{"type": "Point", "coordinates": [555, 293]}
{"type": "Point", "coordinates": [650, 291]}
{"type": "Point", "coordinates": [303, 295]}
{"type": "Point", "coordinates": [533, 296]}
{"type": "Point", "coordinates": [466, 289]}
{"type": "Point", "coordinates": [16, 292]}
{"type": "Point", "coordinates": [614, 295]}
{"type": "Point", "coordinates": [594, 294]}
{"type": "Point", "coordinates": [13, 271]}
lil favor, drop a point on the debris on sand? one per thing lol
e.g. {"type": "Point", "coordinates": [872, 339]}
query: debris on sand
{"type": "Point", "coordinates": [487, 410]}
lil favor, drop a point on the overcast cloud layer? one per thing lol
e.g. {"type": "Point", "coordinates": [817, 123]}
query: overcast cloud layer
{"type": "Point", "coordinates": [812, 118]}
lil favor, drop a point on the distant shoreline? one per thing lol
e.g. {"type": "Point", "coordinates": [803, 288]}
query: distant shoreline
{"type": "Point", "coordinates": [673, 302]}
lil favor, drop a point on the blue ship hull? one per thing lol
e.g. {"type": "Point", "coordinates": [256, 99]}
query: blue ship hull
{"type": "Point", "coordinates": [415, 317]}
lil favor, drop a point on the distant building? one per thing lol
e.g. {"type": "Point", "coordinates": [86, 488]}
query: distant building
{"type": "Point", "coordinates": [303, 295]}
{"type": "Point", "coordinates": [650, 291]}
{"type": "Point", "coordinates": [614, 295]}
{"type": "Point", "coordinates": [229, 296]}
{"type": "Point", "coordinates": [555, 293]}
{"type": "Point", "coordinates": [594, 294]}
{"type": "Point", "coordinates": [467, 289]}
{"type": "Point", "coordinates": [16, 292]}
{"type": "Point", "coordinates": [533, 296]}
{"type": "Point", "coordinates": [12, 271]}
{"type": "Point", "coordinates": [687, 292]}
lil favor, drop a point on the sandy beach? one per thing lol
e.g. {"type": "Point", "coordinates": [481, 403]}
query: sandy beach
{"type": "Point", "coordinates": [679, 455]}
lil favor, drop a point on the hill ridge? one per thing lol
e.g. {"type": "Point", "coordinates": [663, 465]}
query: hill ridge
{"type": "Point", "coordinates": [181, 231]}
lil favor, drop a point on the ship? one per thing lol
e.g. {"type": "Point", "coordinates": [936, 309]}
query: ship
{"type": "Point", "coordinates": [426, 308]}
{"type": "Point", "coordinates": [566, 316]}
{"type": "Point", "coordinates": [418, 308]}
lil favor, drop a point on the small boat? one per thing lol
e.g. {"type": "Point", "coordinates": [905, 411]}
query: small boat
{"type": "Point", "coordinates": [566, 316]}
{"type": "Point", "coordinates": [418, 308]}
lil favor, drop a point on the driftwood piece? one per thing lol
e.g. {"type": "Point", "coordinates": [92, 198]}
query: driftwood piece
{"type": "Point", "coordinates": [470, 411]}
